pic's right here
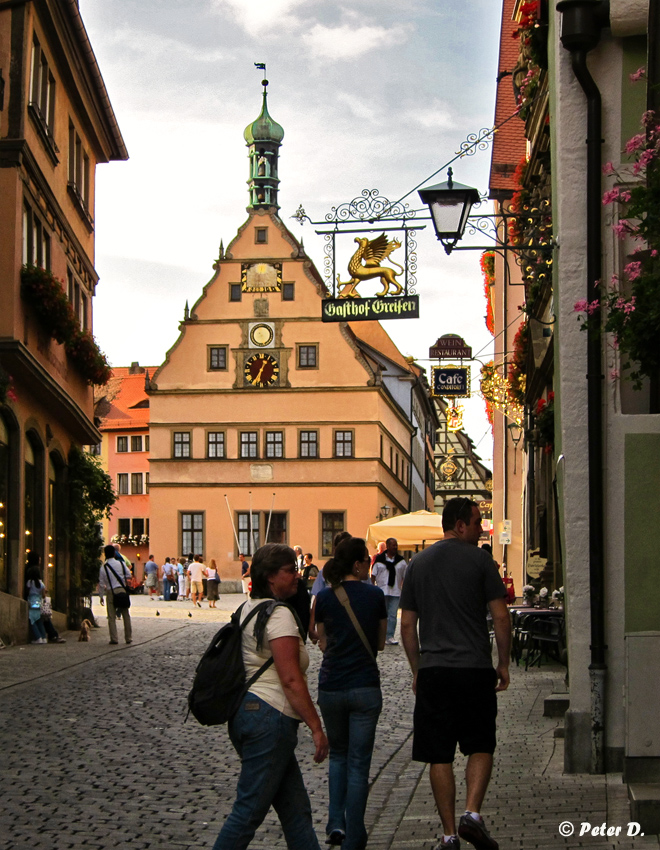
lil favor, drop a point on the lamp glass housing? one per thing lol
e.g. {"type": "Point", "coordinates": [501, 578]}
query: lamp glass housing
{"type": "Point", "coordinates": [450, 205]}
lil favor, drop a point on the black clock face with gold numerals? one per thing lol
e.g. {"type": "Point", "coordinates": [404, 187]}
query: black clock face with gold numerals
{"type": "Point", "coordinates": [261, 370]}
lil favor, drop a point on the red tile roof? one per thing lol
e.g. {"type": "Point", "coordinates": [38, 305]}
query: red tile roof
{"type": "Point", "coordinates": [116, 402]}
{"type": "Point", "coordinates": [509, 141]}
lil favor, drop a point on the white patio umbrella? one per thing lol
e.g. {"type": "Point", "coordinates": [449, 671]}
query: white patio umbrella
{"type": "Point", "coordinates": [410, 530]}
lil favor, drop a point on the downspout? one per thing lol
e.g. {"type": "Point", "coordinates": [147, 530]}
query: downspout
{"type": "Point", "coordinates": [581, 24]}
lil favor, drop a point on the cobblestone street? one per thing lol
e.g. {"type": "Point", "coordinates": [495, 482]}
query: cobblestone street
{"type": "Point", "coordinates": [96, 754]}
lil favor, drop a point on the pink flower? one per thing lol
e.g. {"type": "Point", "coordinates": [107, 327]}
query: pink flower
{"type": "Point", "coordinates": [581, 306]}
{"type": "Point", "coordinates": [615, 342]}
{"type": "Point", "coordinates": [614, 281]}
{"type": "Point", "coordinates": [636, 143]}
{"type": "Point", "coordinates": [595, 305]}
{"type": "Point", "coordinates": [624, 197]}
{"type": "Point", "coordinates": [629, 307]}
{"type": "Point", "coordinates": [644, 160]}
{"type": "Point", "coordinates": [608, 168]}
{"type": "Point", "coordinates": [638, 75]}
{"type": "Point", "coordinates": [611, 196]}
{"type": "Point", "coordinates": [654, 253]}
{"type": "Point", "coordinates": [633, 270]}
{"type": "Point", "coordinates": [648, 117]}
{"type": "Point", "coordinates": [614, 374]}
{"type": "Point", "coordinates": [622, 228]}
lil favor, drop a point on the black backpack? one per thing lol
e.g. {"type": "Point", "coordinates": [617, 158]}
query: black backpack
{"type": "Point", "coordinates": [219, 684]}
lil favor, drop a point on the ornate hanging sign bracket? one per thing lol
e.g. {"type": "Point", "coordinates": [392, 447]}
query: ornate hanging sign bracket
{"type": "Point", "coordinates": [386, 285]}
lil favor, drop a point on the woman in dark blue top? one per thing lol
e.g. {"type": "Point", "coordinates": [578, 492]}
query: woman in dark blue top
{"type": "Point", "coordinates": [349, 687]}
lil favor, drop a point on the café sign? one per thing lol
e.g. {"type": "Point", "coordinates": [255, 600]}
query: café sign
{"type": "Point", "coordinates": [451, 381]}
{"type": "Point", "coordinates": [370, 309]}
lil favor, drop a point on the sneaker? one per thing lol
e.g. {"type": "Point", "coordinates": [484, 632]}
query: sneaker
{"type": "Point", "coordinates": [336, 837]}
{"type": "Point", "coordinates": [475, 832]}
{"type": "Point", "coordinates": [452, 844]}
{"type": "Point", "coordinates": [114, 642]}
{"type": "Point", "coordinates": [57, 640]}
{"type": "Point", "coordinates": [391, 642]}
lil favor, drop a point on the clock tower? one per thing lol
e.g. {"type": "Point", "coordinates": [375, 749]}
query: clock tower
{"type": "Point", "coordinates": [263, 137]}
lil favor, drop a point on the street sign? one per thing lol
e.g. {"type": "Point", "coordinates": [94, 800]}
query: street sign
{"type": "Point", "coordinates": [451, 381]}
{"type": "Point", "coordinates": [450, 347]}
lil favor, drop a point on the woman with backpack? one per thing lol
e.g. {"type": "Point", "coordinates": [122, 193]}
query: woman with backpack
{"type": "Point", "coordinates": [264, 730]}
{"type": "Point", "coordinates": [351, 622]}
{"type": "Point", "coordinates": [35, 594]}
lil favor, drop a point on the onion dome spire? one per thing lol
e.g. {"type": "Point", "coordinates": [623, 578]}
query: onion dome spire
{"type": "Point", "coordinates": [263, 137]}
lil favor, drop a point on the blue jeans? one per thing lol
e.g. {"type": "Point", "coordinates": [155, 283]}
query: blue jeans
{"type": "Point", "coordinates": [392, 605]}
{"type": "Point", "coordinates": [266, 739]}
{"type": "Point", "coordinates": [350, 719]}
{"type": "Point", "coordinates": [38, 629]}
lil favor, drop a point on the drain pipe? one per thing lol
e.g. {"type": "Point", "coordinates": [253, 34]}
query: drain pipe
{"type": "Point", "coordinates": [582, 21]}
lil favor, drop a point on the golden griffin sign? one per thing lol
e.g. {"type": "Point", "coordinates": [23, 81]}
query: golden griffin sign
{"type": "Point", "coordinates": [365, 264]}
{"type": "Point", "coordinates": [363, 218]}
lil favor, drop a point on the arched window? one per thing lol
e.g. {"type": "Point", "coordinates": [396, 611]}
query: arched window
{"type": "Point", "coordinates": [55, 556]}
{"type": "Point", "coordinates": [33, 505]}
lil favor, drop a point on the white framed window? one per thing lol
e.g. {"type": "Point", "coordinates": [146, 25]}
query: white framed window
{"type": "Point", "coordinates": [122, 484]}
{"type": "Point", "coordinates": [137, 483]}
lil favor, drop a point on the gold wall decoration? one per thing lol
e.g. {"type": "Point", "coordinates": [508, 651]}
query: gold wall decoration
{"type": "Point", "coordinates": [454, 417]}
{"type": "Point", "coordinates": [261, 277]}
{"type": "Point", "coordinates": [495, 389]}
{"type": "Point", "coordinates": [365, 264]}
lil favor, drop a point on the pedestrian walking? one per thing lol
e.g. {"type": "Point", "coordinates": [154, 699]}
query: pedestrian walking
{"type": "Point", "coordinates": [33, 573]}
{"type": "Point", "coordinates": [170, 581]}
{"type": "Point", "coordinates": [446, 591]}
{"type": "Point", "coordinates": [181, 577]}
{"type": "Point", "coordinates": [151, 573]}
{"type": "Point", "coordinates": [264, 730]}
{"type": "Point", "coordinates": [35, 593]}
{"type": "Point", "coordinates": [245, 575]}
{"type": "Point", "coordinates": [113, 576]}
{"type": "Point", "coordinates": [388, 572]}
{"type": "Point", "coordinates": [351, 621]}
{"type": "Point", "coordinates": [212, 583]}
{"type": "Point", "coordinates": [197, 571]}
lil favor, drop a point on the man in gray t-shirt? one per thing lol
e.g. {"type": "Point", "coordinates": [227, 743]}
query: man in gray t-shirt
{"type": "Point", "coordinates": [447, 592]}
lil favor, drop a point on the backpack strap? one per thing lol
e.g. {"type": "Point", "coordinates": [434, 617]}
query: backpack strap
{"type": "Point", "coordinates": [108, 567]}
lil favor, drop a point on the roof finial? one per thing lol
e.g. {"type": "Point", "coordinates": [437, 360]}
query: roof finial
{"type": "Point", "coordinates": [186, 312]}
{"type": "Point", "coordinates": [264, 82]}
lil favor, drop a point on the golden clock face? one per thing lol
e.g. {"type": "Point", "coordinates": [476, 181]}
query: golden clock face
{"type": "Point", "coordinates": [261, 370]}
{"type": "Point", "coordinates": [261, 335]}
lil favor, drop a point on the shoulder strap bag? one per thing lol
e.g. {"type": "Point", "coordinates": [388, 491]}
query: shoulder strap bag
{"type": "Point", "coordinates": [342, 596]}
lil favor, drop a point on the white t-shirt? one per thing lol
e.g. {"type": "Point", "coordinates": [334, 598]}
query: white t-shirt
{"type": "Point", "coordinates": [381, 574]}
{"type": "Point", "coordinates": [196, 570]}
{"type": "Point", "coordinates": [268, 687]}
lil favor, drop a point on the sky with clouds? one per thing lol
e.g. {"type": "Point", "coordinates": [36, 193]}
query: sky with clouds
{"type": "Point", "coordinates": [372, 95]}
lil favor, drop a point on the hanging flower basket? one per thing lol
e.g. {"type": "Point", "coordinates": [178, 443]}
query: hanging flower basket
{"type": "Point", "coordinates": [46, 296]}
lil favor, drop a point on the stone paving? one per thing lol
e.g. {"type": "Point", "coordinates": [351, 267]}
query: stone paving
{"type": "Point", "coordinates": [95, 753]}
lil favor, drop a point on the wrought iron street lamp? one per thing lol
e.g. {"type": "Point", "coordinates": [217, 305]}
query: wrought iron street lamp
{"type": "Point", "coordinates": [385, 511]}
{"type": "Point", "coordinates": [450, 205]}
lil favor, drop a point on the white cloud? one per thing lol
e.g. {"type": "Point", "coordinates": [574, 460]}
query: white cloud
{"type": "Point", "coordinates": [258, 16]}
{"type": "Point", "coordinates": [350, 42]}
{"type": "Point", "coordinates": [152, 46]}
